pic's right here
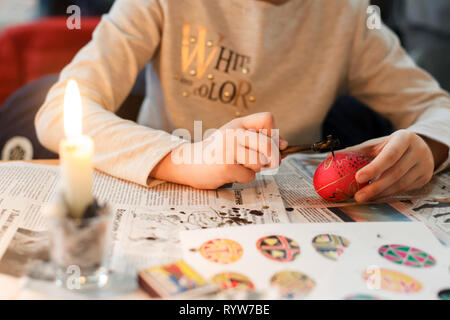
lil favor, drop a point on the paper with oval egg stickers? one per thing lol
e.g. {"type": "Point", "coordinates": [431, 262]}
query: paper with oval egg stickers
{"type": "Point", "coordinates": [331, 246]}
{"type": "Point", "coordinates": [321, 260]}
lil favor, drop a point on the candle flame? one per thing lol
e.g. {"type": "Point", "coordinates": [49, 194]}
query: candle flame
{"type": "Point", "coordinates": [72, 110]}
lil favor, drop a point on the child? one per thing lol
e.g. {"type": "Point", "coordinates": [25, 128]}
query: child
{"type": "Point", "coordinates": [238, 65]}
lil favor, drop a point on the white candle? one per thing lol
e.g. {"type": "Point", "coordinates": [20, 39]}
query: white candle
{"type": "Point", "coordinates": [76, 152]}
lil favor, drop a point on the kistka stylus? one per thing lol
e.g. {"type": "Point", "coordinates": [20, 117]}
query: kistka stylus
{"type": "Point", "coordinates": [329, 144]}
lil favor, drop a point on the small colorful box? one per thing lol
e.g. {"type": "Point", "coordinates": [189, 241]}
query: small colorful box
{"type": "Point", "coordinates": [176, 280]}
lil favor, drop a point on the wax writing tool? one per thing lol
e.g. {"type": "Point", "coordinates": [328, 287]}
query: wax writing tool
{"type": "Point", "coordinates": [329, 144]}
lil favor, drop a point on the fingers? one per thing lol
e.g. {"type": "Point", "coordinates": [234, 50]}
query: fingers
{"type": "Point", "coordinates": [417, 176]}
{"type": "Point", "coordinates": [266, 147]}
{"type": "Point", "coordinates": [240, 174]}
{"type": "Point", "coordinates": [262, 123]}
{"type": "Point", "coordinates": [393, 178]}
{"type": "Point", "coordinates": [366, 148]}
{"type": "Point", "coordinates": [390, 153]}
{"type": "Point", "coordinates": [283, 144]}
{"type": "Point", "coordinates": [406, 183]}
{"type": "Point", "coordinates": [257, 121]}
{"type": "Point", "coordinates": [407, 169]}
{"type": "Point", "coordinates": [250, 158]}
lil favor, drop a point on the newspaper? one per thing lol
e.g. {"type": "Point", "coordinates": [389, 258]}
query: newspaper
{"type": "Point", "coordinates": [433, 213]}
{"type": "Point", "coordinates": [9, 222]}
{"type": "Point", "coordinates": [295, 180]}
{"type": "Point", "coordinates": [146, 220]}
{"type": "Point", "coordinates": [145, 236]}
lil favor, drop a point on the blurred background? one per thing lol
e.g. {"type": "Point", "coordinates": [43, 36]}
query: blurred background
{"type": "Point", "coordinates": [35, 45]}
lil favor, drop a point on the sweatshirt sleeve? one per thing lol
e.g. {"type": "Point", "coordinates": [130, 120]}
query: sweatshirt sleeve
{"type": "Point", "coordinates": [384, 77]}
{"type": "Point", "coordinates": [106, 69]}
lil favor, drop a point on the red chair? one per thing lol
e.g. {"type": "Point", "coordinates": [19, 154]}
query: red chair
{"type": "Point", "coordinates": [28, 52]}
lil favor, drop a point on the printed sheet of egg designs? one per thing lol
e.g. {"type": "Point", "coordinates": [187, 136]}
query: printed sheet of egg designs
{"type": "Point", "coordinates": [292, 283]}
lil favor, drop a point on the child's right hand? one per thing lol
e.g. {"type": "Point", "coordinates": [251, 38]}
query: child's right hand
{"type": "Point", "coordinates": [234, 153]}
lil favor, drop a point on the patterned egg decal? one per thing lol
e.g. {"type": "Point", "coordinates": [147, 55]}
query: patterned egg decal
{"type": "Point", "coordinates": [334, 178]}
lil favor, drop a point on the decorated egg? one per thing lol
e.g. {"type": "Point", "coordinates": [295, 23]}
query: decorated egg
{"type": "Point", "coordinates": [334, 178]}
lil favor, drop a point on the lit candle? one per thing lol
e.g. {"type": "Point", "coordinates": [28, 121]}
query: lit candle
{"type": "Point", "coordinates": [76, 152]}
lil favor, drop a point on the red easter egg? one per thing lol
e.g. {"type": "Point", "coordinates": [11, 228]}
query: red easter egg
{"type": "Point", "coordinates": [334, 178]}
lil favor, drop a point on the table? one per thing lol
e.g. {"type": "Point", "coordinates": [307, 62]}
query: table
{"type": "Point", "coordinates": [30, 293]}
{"type": "Point", "coordinates": [40, 161]}
{"type": "Point", "coordinates": [16, 286]}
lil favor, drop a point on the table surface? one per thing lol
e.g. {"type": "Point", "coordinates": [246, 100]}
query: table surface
{"type": "Point", "coordinates": [17, 292]}
{"type": "Point", "coordinates": [40, 161]}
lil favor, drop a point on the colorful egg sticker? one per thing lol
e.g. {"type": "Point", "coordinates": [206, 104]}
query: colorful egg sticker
{"type": "Point", "coordinates": [391, 280]}
{"type": "Point", "coordinates": [362, 296]}
{"type": "Point", "coordinates": [278, 248]}
{"type": "Point", "coordinates": [444, 294]}
{"type": "Point", "coordinates": [233, 280]}
{"type": "Point", "coordinates": [331, 246]}
{"type": "Point", "coordinates": [222, 251]}
{"type": "Point", "coordinates": [292, 284]}
{"type": "Point", "coordinates": [407, 256]}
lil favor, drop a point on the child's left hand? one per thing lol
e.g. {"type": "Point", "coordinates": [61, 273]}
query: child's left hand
{"type": "Point", "coordinates": [401, 162]}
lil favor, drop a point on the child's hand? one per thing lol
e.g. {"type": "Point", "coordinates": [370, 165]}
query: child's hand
{"type": "Point", "coordinates": [234, 153]}
{"type": "Point", "coordinates": [401, 162]}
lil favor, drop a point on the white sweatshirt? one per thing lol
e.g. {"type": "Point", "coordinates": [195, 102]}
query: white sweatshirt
{"type": "Point", "coordinates": [213, 60]}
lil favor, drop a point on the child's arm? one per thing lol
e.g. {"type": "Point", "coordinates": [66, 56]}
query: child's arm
{"type": "Point", "coordinates": [384, 77]}
{"type": "Point", "coordinates": [244, 151]}
{"type": "Point", "coordinates": [105, 70]}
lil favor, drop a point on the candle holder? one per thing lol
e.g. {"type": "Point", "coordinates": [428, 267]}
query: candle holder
{"type": "Point", "coordinates": [78, 246]}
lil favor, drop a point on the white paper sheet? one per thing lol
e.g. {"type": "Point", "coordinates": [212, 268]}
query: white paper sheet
{"type": "Point", "coordinates": [334, 279]}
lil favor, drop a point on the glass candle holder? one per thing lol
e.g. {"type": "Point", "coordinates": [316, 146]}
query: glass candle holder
{"type": "Point", "coordinates": [78, 248]}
